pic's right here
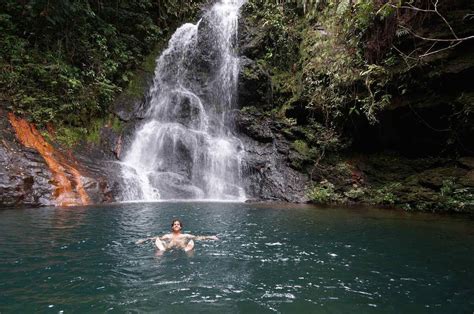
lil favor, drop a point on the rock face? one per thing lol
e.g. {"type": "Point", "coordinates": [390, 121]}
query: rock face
{"type": "Point", "coordinates": [395, 162]}
{"type": "Point", "coordinates": [33, 173]}
{"type": "Point", "coordinates": [99, 173]}
{"type": "Point", "coordinates": [267, 171]}
{"type": "Point", "coordinates": [267, 166]}
{"type": "Point", "coordinates": [24, 175]}
{"type": "Point", "coordinates": [255, 87]}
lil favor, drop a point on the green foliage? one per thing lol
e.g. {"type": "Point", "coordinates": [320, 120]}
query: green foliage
{"type": "Point", "coordinates": [117, 125]}
{"type": "Point", "coordinates": [328, 71]}
{"type": "Point", "coordinates": [334, 63]}
{"type": "Point", "coordinates": [137, 82]}
{"type": "Point", "coordinates": [316, 60]}
{"type": "Point", "coordinates": [301, 147]}
{"type": "Point", "coordinates": [286, 90]}
{"type": "Point", "coordinates": [355, 193]}
{"type": "Point", "coordinates": [376, 79]}
{"type": "Point", "coordinates": [280, 26]}
{"type": "Point", "coordinates": [64, 61]}
{"type": "Point", "coordinates": [455, 197]}
{"type": "Point", "coordinates": [69, 136]}
{"type": "Point", "coordinates": [365, 14]}
{"type": "Point", "coordinates": [386, 195]}
{"type": "Point", "coordinates": [323, 193]}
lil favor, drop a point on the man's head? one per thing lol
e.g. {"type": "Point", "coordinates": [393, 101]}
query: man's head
{"type": "Point", "coordinates": [176, 225]}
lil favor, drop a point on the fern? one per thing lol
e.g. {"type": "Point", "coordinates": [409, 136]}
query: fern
{"type": "Point", "coordinates": [343, 7]}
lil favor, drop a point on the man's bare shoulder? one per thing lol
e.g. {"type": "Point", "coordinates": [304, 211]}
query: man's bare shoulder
{"type": "Point", "coordinates": [167, 236]}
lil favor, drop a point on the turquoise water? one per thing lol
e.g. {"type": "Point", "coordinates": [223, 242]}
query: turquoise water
{"type": "Point", "coordinates": [269, 258]}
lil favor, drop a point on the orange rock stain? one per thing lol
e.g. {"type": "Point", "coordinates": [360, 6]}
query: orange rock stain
{"type": "Point", "coordinates": [66, 192]}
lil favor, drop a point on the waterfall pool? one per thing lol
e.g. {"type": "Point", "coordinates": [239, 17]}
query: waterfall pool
{"type": "Point", "coordinates": [270, 258]}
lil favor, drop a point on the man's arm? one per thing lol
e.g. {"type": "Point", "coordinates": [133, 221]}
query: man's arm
{"type": "Point", "coordinates": [145, 240]}
{"type": "Point", "coordinates": [165, 237]}
{"type": "Point", "coordinates": [198, 238]}
{"type": "Point", "coordinates": [206, 238]}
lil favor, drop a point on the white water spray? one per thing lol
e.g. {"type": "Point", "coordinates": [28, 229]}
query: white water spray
{"type": "Point", "coordinates": [185, 148]}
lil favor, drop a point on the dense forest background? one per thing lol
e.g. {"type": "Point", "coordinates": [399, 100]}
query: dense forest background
{"type": "Point", "coordinates": [345, 62]}
{"type": "Point", "coordinates": [64, 61]}
{"type": "Point", "coordinates": [375, 98]}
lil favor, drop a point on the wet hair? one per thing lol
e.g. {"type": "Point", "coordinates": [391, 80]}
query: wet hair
{"type": "Point", "coordinates": [176, 220]}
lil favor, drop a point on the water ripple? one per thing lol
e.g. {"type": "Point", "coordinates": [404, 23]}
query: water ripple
{"type": "Point", "coordinates": [305, 260]}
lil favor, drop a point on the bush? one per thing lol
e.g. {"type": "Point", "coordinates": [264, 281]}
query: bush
{"type": "Point", "coordinates": [324, 193]}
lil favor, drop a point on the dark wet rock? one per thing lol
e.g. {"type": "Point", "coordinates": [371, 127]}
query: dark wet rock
{"type": "Point", "coordinates": [255, 126]}
{"type": "Point", "coordinates": [468, 179]}
{"type": "Point", "coordinates": [98, 172]}
{"type": "Point", "coordinates": [251, 37]}
{"type": "Point", "coordinates": [267, 170]}
{"type": "Point", "coordinates": [26, 180]}
{"type": "Point", "coordinates": [124, 110]}
{"type": "Point", "coordinates": [206, 62]}
{"type": "Point", "coordinates": [110, 144]}
{"type": "Point", "coordinates": [24, 175]}
{"type": "Point", "coordinates": [467, 162]}
{"type": "Point", "coordinates": [428, 184]}
{"type": "Point", "coordinates": [255, 87]}
{"type": "Point", "coordinates": [186, 110]}
{"type": "Point", "coordinates": [267, 175]}
{"type": "Point", "coordinates": [435, 178]}
{"type": "Point", "coordinates": [132, 103]}
{"type": "Point", "coordinates": [128, 107]}
{"type": "Point", "coordinates": [114, 189]}
{"type": "Point", "coordinates": [174, 186]}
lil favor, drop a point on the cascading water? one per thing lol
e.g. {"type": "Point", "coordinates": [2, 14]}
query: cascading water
{"type": "Point", "coordinates": [185, 149]}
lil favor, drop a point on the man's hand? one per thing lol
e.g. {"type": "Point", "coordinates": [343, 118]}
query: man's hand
{"type": "Point", "coordinates": [144, 240]}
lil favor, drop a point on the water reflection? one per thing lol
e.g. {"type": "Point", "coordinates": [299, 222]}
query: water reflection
{"type": "Point", "coordinates": [67, 217]}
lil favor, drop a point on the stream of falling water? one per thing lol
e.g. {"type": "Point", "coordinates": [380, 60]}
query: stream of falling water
{"type": "Point", "coordinates": [185, 148]}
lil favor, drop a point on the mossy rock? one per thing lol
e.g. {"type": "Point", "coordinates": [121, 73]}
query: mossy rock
{"type": "Point", "coordinates": [468, 179]}
{"type": "Point", "coordinates": [255, 88]}
{"type": "Point", "coordinates": [434, 178]}
{"type": "Point", "coordinates": [467, 162]}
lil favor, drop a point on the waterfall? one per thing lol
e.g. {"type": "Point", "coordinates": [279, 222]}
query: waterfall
{"type": "Point", "coordinates": [185, 147]}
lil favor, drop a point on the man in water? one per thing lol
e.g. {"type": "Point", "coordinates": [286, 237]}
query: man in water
{"type": "Point", "coordinates": [176, 239]}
